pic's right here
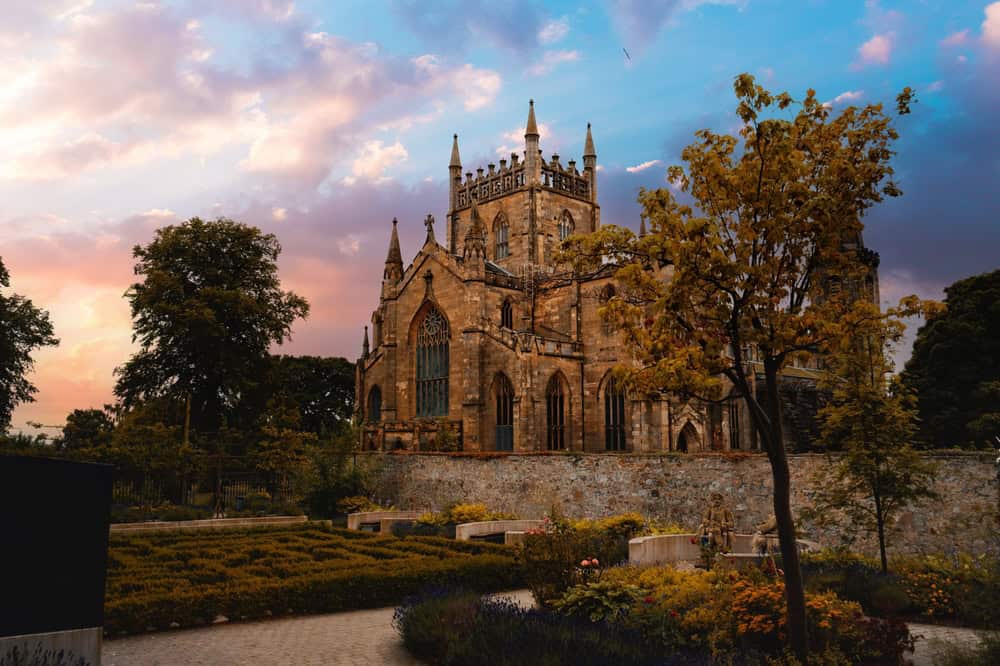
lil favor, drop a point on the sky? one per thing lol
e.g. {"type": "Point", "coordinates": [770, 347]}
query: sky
{"type": "Point", "coordinates": [320, 122]}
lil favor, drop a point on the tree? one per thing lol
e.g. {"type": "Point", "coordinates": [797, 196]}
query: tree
{"type": "Point", "coordinates": [955, 367]}
{"type": "Point", "coordinates": [870, 418]}
{"type": "Point", "coordinates": [320, 388]}
{"type": "Point", "coordinates": [205, 314]}
{"type": "Point", "coordinates": [750, 266]}
{"type": "Point", "coordinates": [23, 328]}
{"type": "Point", "coordinates": [283, 446]}
{"type": "Point", "coordinates": [87, 429]}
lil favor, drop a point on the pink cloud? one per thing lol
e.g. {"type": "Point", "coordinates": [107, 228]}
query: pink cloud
{"type": "Point", "coordinates": [991, 26]}
{"type": "Point", "coordinates": [956, 38]}
{"type": "Point", "coordinates": [876, 51]}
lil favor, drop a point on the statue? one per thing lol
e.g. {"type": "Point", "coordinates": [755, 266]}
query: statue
{"type": "Point", "coordinates": [764, 536]}
{"type": "Point", "coordinates": [717, 525]}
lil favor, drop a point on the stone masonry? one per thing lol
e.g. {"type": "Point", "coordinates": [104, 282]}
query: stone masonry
{"type": "Point", "coordinates": [675, 488]}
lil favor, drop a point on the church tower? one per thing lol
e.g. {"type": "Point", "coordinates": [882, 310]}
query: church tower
{"type": "Point", "coordinates": [525, 205]}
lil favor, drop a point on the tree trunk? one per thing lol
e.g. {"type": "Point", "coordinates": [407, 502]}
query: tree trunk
{"type": "Point", "coordinates": [794, 589]}
{"type": "Point", "coordinates": [880, 522]}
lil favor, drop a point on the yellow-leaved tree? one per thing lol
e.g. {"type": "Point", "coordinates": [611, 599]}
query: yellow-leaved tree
{"type": "Point", "coordinates": [766, 260]}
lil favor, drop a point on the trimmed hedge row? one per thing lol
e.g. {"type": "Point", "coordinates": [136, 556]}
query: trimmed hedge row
{"type": "Point", "coordinates": [178, 579]}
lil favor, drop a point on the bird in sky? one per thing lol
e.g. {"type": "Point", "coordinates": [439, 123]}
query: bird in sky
{"type": "Point", "coordinates": [626, 53]}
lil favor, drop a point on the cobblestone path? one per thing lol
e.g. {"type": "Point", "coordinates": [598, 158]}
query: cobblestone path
{"type": "Point", "coordinates": [357, 638]}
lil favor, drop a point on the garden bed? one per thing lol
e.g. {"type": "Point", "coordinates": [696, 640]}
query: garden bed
{"type": "Point", "coordinates": [179, 579]}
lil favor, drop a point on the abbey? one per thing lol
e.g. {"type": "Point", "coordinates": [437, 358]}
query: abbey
{"type": "Point", "coordinates": [487, 339]}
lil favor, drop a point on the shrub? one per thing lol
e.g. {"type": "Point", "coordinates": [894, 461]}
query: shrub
{"type": "Point", "coordinates": [457, 514]}
{"type": "Point", "coordinates": [358, 504]}
{"type": "Point", "coordinates": [551, 558]}
{"type": "Point", "coordinates": [189, 578]}
{"type": "Point", "coordinates": [598, 601]}
{"type": "Point", "coordinates": [458, 629]}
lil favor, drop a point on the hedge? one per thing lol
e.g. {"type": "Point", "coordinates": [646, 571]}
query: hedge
{"type": "Point", "coordinates": [179, 579]}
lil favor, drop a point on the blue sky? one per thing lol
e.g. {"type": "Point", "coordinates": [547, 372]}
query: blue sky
{"type": "Point", "coordinates": [321, 121]}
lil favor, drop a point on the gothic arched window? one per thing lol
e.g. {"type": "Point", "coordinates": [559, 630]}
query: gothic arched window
{"type": "Point", "coordinates": [555, 414]}
{"type": "Point", "coordinates": [505, 413]}
{"type": "Point", "coordinates": [614, 416]}
{"type": "Point", "coordinates": [501, 233]}
{"type": "Point", "coordinates": [507, 315]}
{"type": "Point", "coordinates": [375, 405]}
{"type": "Point", "coordinates": [432, 365]}
{"type": "Point", "coordinates": [566, 225]}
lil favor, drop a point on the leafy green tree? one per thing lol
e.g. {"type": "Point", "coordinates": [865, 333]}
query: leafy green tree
{"type": "Point", "coordinates": [283, 447]}
{"type": "Point", "coordinates": [955, 367]}
{"type": "Point", "coordinates": [205, 314]}
{"type": "Point", "coordinates": [870, 418]}
{"type": "Point", "coordinates": [23, 328]}
{"type": "Point", "coordinates": [320, 388]}
{"type": "Point", "coordinates": [748, 267]}
{"type": "Point", "coordinates": [87, 429]}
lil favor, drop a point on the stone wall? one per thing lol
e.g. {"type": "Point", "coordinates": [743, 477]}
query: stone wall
{"type": "Point", "coordinates": [674, 488]}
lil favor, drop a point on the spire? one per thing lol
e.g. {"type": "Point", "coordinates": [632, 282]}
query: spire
{"type": "Point", "coordinates": [642, 227]}
{"type": "Point", "coordinates": [588, 147]}
{"type": "Point", "coordinates": [364, 345]}
{"type": "Point", "coordinates": [531, 129]}
{"type": "Point", "coordinates": [394, 260]}
{"type": "Point", "coordinates": [456, 161]}
{"type": "Point", "coordinates": [394, 256]}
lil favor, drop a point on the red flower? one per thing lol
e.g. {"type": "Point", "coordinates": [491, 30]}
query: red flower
{"type": "Point", "coordinates": [674, 613]}
{"type": "Point", "coordinates": [648, 600]}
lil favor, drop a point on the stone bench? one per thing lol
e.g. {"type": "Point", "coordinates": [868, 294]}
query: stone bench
{"type": "Point", "coordinates": [666, 548]}
{"type": "Point", "coordinates": [381, 520]}
{"type": "Point", "coordinates": [468, 531]}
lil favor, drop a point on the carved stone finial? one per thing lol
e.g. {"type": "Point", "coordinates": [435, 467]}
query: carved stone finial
{"type": "Point", "coordinates": [364, 345]}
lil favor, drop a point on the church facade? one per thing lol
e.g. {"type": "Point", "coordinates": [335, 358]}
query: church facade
{"type": "Point", "coordinates": [484, 343]}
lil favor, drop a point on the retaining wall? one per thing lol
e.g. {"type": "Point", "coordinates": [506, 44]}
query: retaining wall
{"type": "Point", "coordinates": [675, 488]}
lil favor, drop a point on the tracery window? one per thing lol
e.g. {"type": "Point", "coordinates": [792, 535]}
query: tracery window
{"type": "Point", "coordinates": [565, 225]}
{"type": "Point", "coordinates": [375, 404]}
{"type": "Point", "coordinates": [505, 414]}
{"type": "Point", "coordinates": [432, 365]}
{"type": "Point", "coordinates": [555, 413]}
{"type": "Point", "coordinates": [507, 315]}
{"type": "Point", "coordinates": [614, 416]}
{"type": "Point", "coordinates": [501, 233]}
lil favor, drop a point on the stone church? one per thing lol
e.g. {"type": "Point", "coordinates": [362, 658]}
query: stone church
{"type": "Point", "coordinates": [483, 343]}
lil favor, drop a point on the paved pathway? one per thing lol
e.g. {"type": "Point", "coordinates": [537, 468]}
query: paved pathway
{"type": "Point", "coordinates": [357, 638]}
{"type": "Point", "coordinates": [934, 637]}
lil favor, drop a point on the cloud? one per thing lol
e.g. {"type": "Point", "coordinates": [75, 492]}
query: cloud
{"type": "Point", "coordinates": [134, 86]}
{"type": "Point", "coordinates": [639, 22]}
{"type": "Point", "coordinates": [643, 166]}
{"type": "Point", "coordinates": [452, 26]}
{"type": "Point", "coordinates": [554, 30]}
{"type": "Point", "coordinates": [513, 140]}
{"type": "Point", "coordinates": [848, 96]}
{"type": "Point", "coordinates": [991, 26]}
{"type": "Point", "coordinates": [956, 38]}
{"type": "Point", "coordinates": [376, 157]}
{"type": "Point", "coordinates": [552, 59]}
{"type": "Point", "coordinates": [279, 214]}
{"type": "Point", "coordinates": [876, 51]}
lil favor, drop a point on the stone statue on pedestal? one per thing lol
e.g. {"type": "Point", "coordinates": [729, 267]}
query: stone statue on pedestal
{"type": "Point", "coordinates": [717, 525]}
{"type": "Point", "coordinates": [765, 535]}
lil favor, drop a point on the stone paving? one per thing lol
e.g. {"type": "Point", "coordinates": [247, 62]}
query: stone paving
{"type": "Point", "coordinates": [357, 638]}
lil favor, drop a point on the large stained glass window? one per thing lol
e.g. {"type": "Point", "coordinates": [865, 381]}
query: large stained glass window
{"type": "Point", "coordinates": [432, 365]}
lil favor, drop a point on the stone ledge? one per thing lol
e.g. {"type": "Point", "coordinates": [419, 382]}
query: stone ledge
{"type": "Point", "coordinates": [209, 523]}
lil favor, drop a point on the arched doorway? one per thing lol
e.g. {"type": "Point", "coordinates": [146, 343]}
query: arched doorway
{"type": "Point", "coordinates": [505, 413]}
{"type": "Point", "coordinates": [688, 439]}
